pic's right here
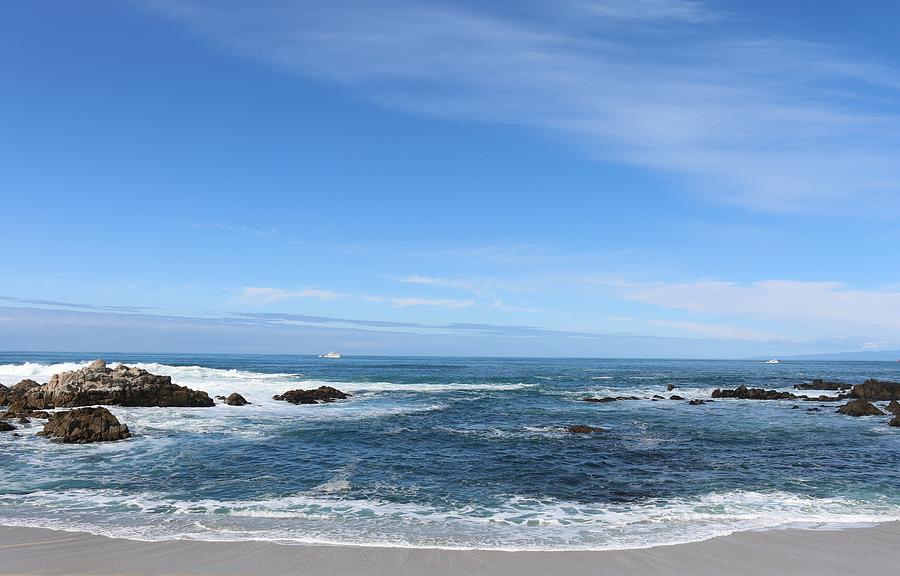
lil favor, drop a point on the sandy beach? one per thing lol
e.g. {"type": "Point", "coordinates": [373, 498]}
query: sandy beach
{"type": "Point", "coordinates": [870, 550]}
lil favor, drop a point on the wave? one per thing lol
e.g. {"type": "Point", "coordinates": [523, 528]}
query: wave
{"type": "Point", "coordinates": [321, 516]}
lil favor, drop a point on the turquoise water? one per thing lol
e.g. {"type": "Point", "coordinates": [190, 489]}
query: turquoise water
{"type": "Point", "coordinates": [459, 453]}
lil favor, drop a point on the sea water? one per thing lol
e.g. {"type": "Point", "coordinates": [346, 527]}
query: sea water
{"type": "Point", "coordinates": [459, 453]}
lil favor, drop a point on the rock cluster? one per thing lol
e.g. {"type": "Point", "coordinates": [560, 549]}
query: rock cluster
{"type": "Point", "coordinates": [99, 384]}
{"type": "Point", "coordinates": [610, 399]}
{"type": "Point", "coordinates": [84, 425]}
{"type": "Point", "coordinates": [859, 408]}
{"type": "Point", "coordinates": [876, 390]}
{"type": "Point", "coordinates": [744, 393]}
{"type": "Point", "coordinates": [320, 394]}
{"type": "Point", "coordinates": [819, 384]}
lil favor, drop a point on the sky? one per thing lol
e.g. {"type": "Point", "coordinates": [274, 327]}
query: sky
{"type": "Point", "coordinates": [604, 178]}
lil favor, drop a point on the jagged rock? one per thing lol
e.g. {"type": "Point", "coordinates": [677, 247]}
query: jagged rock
{"type": "Point", "coordinates": [84, 425]}
{"type": "Point", "coordinates": [894, 408]}
{"type": "Point", "coordinates": [583, 429]}
{"type": "Point", "coordinates": [876, 390]}
{"type": "Point", "coordinates": [895, 421]}
{"type": "Point", "coordinates": [859, 408]}
{"type": "Point", "coordinates": [744, 393]}
{"type": "Point", "coordinates": [12, 394]}
{"type": "Point", "coordinates": [235, 399]}
{"type": "Point", "coordinates": [320, 394]}
{"type": "Point", "coordinates": [122, 386]}
{"type": "Point", "coordinates": [4, 395]}
{"type": "Point", "coordinates": [6, 426]}
{"type": "Point", "coordinates": [610, 399]}
{"type": "Point", "coordinates": [675, 397]}
{"type": "Point", "coordinates": [819, 384]}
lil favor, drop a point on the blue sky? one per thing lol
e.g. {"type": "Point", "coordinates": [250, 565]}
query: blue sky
{"type": "Point", "coordinates": [594, 178]}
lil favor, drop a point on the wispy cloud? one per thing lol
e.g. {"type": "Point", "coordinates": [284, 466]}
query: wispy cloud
{"type": "Point", "coordinates": [256, 295]}
{"type": "Point", "coordinates": [405, 302]}
{"type": "Point", "coordinates": [773, 123]}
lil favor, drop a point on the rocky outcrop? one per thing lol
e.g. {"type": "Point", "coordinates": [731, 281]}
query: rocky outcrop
{"type": "Point", "coordinates": [235, 399]}
{"type": "Point", "coordinates": [85, 425]}
{"type": "Point", "coordinates": [583, 429]}
{"type": "Point", "coordinates": [4, 395]}
{"type": "Point", "coordinates": [610, 399]}
{"type": "Point", "coordinates": [819, 384]}
{"type": "Point", "coordinates": [876, 390]}
{"type": "Point", "coordinates": [320, 394]}
{"type": "Point", "coordinates": [894, 408]}
{"type": "Point", "coordinates": [6, 426]}
{"type": "Point", "coordinates": [122, 386]}
{"type": "Point", "coordinates": [744, 393]}
{"type": "Point", "coordinates": [18, 411]}
{"type": "Point", "coordinates": [859, 408]}
{"type": "Point", "coordinates": [13, 393]}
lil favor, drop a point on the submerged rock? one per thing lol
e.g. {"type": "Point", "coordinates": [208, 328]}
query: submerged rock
{"type": "Point", "coordinates": [876, 390]}
{"type": "Point", "coordinates": [859, 408]}
{"type": "Point", "coordinates": [320, 394]}
{"type": "Point", "coordinates": [744, 393]}
{"type": "Point", "coordinates": [583, 429]}
{"type": "Point", "coordinates": [85, 425]}
{"type": "Point", "coordinates": [819, 384]}
{"type": "Point", "coordinates": [122, 386]}
{"type": "Point", "coordinates": [235, 399]}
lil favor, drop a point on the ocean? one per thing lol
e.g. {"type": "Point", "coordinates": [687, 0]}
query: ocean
{"type": "Point", "coordinates": [459, 453]}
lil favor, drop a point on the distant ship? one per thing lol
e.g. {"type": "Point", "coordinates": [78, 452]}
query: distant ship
{"type": "Point", "coordinates": [334, 355]}
{"type": "Point", "coordinates": [773, 361]}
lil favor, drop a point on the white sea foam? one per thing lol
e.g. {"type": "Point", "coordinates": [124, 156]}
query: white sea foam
{"type": "Point", "coordinates": [515, 523]}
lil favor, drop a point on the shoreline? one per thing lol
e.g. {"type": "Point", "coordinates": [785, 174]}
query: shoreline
{"type": "Point", "coordinates": [871, 550]}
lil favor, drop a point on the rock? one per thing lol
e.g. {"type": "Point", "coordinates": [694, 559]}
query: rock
{"type": "Point", "coordinates": [583, 429]}
{"type": "Point", "coordinates": [610, 398]}
{"type": "Point", "coordinates": [4, 395]}
{"type": "Point", "coordinates": [10, 395]}
{"type": "Point", "coordinates": [824, 398]}
{"type": "Point", "coordinates": [84, 425]}
{"type": "Point", "coordinates": [812, 409]}
{"type": "Point", "coordinates": [859, 408]}
{"type": "Point", "coordinates": [894, 408]}
{"type": "Point", "coordinates": [675, 397]}
{"type": "Point", "coordinates": [6, 426]}
{"type": "Point", "coordinates": [819, 384]}
{"type": "Point", "coordinates": [744, 393]}
{"type": "Point", "coordinates": [670, 387]}
{"type": "Point", "coordinates": [235, 399]}
{"type": "Point", "coordinates": [795, 407]}
{"type": "Point", "coordinates": [658, 397]}
{"type": "Point", "coordinates": [18, 411]}
{"type": "Point", "coordinates": [876, 390]}
{"type": "Point", "coordinates": [697, 402]}
{"type": "Point", "coordinates": [895, 421]}
{"type": "Point", "coordinates": [122, 386]}
{"type": "Point", "coordinates": [320, 394]}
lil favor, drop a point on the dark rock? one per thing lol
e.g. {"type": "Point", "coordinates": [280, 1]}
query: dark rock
{"type": "Point", "coordinates": [819, 384]}
{"type": "Point", "coordinates": [611, 398]}
{"type": "Point", "coordinates": [744, 393]}
{"type": "Point", "coordinates": [220, 398]}
{"type": "Point", "coordinates": [859, 408]}
{"type": "Point", "coordinates": [697, 402]}
{"type": "Point", "coordinates": [795, 407]}
{"type": "Point", "coordinates": [582, 429]}
{"type": "Point", "coordinates": [23, 420]}
{"type": "Point", "coordinates": [876, 390]}
{"type": "Point", "coordinates": [658, 397]}
{"type": "Point", "coordinates": [320, 394]}
{"type": "Point", "coordinates": [675, 397]}
{"type": "Point", "coordinates": [122, 386]}
{"type": "Point", "coordinates": [235, 399]}
{"type": "Point", "coordinates": [18, 411]}
{"type": "Point", "coordinates": [812, 409]}
{"type": "Point", "coordinates": [824, 398]}
{"type": "Point", "coordinates": [6, 426]}
{"type": "Point", "coordinates": [894, 408]}
{"type": "Point", "coordinates": [10, 395]}
{"type": "Point", "coordinates": [895, 421]}
{"type": "Point", "coordinates": [670, 387]}
{"type": "Point", "coordinates": [84, 425]}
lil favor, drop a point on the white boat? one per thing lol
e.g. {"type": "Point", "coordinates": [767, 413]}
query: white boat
{"type": "Point", "coordinates": [334, 355]}
{"type": "Point", "coordinates": [773, 361]}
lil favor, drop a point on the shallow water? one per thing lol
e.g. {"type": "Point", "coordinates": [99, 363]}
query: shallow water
{"type": "Point", "coordinates": [460, 452]}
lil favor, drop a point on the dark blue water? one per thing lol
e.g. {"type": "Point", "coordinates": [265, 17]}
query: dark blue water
{"type": "Point", "coordinates": [460, 452]}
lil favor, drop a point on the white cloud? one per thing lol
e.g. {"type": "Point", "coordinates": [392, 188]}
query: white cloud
{"type": "Point", "coordinates": [405, 302]}
{"type": "Point", "coordinates": [776, 124]}
{"type": "Point", "coordinates": [262, 295]}
{"type": "Point", "coordinates": [817, 309]}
